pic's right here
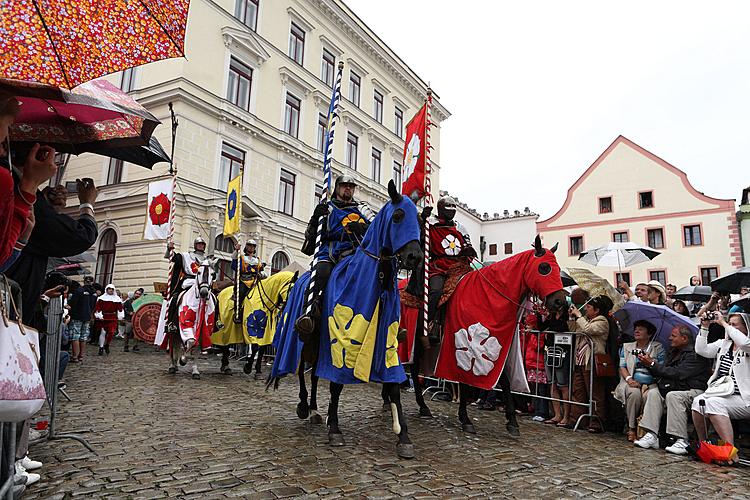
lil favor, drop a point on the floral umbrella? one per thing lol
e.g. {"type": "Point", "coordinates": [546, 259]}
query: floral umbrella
{"type": "Point", "coordinates": [69, 42]}
{"type": "Point", "coordinates": [596, 285]}
{"type": "Point", "coordinates": [93, 117]}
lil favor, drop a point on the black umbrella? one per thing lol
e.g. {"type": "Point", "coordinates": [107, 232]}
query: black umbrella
{"type": "Point", "coordinates": [732, 282]}
{"type": "Point", "coordinates": [694, 293]}
{"type": "Point", "coordinates": [144, 156]}
{"type": "Point", "coordinates": [566, 279]}
{"type": "Point", "coordinates": [743, 302]}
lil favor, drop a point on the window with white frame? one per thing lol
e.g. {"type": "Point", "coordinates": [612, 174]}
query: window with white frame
{"type": "Point", "coordinates": [321, 138]}
{"type": "Point", "coordinates": [296, 43]}
{"type": "Point", "coordinates": [375, 164]}
{"type": "Point", "coordinates": [352, 143]}
{"type": "Point", "coordinates": [232, 159]}
{"type": "Point", "coordinates": [328, 67]}
{"type": "Point", "coordinates": [127, 80]}
{"type": "Point", "coordinates": [287, 181]}
{"type": "Point", "coordinates": [247, 12]}
{"type": "Point", "coordinates": [398, 127]}
{"type": "Point", "coordinates": [397, 175]}
{"type": "Point", "coordinates": [291, 115]}
{"type": "Point", "coordinates": [377, 106]}
{"type": "Point", "coordinates": [355, 85]}
{"type": "Point", "coordinates": [239, 84]}
{"type": "Point", "coordinates": [318, 194]}
{"type": "Point", "coordinates": [114, 171]}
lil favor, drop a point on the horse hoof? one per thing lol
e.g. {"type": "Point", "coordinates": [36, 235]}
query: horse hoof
{"type": "Point", "coordinates": [425, 412]}
{"type": "Point", "coordinates": [468, 428]}
{"type": "Point", "coordinates": [258, 376]}
{"type": "Point", "coordinates": [336, 440]}
{"type": "Point", "coordinates": [183, 360]}
{"type": "Point", "coordinates": [172, 370]}
{"type": "Point", "coordinates": [226, 370]}
{"type": "Point", "coordinates": [303, 410]}
{"type": "Point", "coordinates": [316, 418]}
{"type": "Point", "coordinates": [248, 368]}
{"type": "Point", "coordinates": [386, 406]}
{"type": "Point", "coordinates": [513, 430]}
{"type": "Point", "coordinates": [405, 450]}
{"type": "Point", "coordinates": [196, 376]}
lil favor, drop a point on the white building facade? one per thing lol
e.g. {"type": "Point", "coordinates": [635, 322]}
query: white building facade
{"type": "Point", "coordinates": [254, 90]}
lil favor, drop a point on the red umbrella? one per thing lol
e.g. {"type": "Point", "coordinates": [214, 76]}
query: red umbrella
{"type": "Point", "coordinates": [69, 42]}
{"type": "Point", "coordinates": [94, 116]}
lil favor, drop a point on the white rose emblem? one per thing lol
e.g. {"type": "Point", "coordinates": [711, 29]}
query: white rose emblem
{"type": "Point", "coordinates": [412, 155]}
{"type": "Point", "coordinates": [476, 350]}
{"type": "Point", "coordinates": [451, 245]}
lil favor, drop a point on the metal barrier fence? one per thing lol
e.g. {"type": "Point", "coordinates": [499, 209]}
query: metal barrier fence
{"type": "Point", "coordinates": [560, 356]}
{"type": "Point", "coordinates": [7, 458]}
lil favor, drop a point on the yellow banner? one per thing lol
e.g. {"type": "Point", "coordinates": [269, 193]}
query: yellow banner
{"type": "Point", "coordinates": [233, 208]}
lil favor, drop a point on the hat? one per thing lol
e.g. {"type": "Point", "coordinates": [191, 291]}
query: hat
{"type": "Point", "coordinates": [659, 288]}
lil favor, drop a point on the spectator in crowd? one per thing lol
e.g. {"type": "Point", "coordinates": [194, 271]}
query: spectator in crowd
{"type": "Point", "coordinates": [735, 308]}
{"type": "Point", "coordinates": [18, 197]}
{"type": "Point", "coordinates": [680, 307]}
{"type": "Point", "coordinates": [695, 281]}
{"type": "Point", "coordinates": [682, 377]}
{"type": "Point", "coordinates": [635, 379]}
{"type": "Point", "coordinates": [536, 375]}
{"type": "Point", "coordinates": [54, 235]}
{"type": "Point", "coordinates": [557, 361]}
{"type": "Point", "coordinates": [656, 294]}
{"type": "Point", "coordinates": [641, 290]}
{"type": "Point", "coordinates": [82, 303]}
{"type": "Point", "coordinates": [732, 355]}
{"type": "Point", "coordinates": [671, 290]}
{"type": "Point", "coordinates": [128, 308]}
{"type": "Point", "coordinates": [596, 326]}
{"type": "Point", "coordinates": [108, 311]}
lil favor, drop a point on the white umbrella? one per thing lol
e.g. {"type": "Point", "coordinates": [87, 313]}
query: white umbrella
{"type": "Point", "coordinates": [618, 255]}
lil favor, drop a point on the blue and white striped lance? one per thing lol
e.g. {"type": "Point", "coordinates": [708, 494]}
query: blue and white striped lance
{"type": "Point", "coordinates": [333, 115]}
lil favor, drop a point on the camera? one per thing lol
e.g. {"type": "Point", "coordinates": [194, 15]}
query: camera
{"type": "Point", "coordinates": [712, 316]}
{"type": "Point", "coordinates": [637, 352]}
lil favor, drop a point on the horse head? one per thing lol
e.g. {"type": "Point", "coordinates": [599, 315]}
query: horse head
{"type": "Point", "coordinates": [542, 275]}
{"type": "Point", "coordinates": [205, 277]}
{"type": "Point", "coordinates": [395, 230]}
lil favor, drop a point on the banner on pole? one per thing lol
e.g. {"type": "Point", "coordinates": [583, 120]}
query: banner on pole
{"type": "Point", "coordinates": [233, 208]}
{"type": "Point", "coordinates": [159, 206]}
{"type": "Point", "coordinates": [414, 156]}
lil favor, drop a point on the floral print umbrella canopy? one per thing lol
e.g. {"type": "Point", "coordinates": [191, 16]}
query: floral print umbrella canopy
{"type": "Point", "coordinates": [94, 116]}
{"type": "Point", "coordinates": [69, 42]}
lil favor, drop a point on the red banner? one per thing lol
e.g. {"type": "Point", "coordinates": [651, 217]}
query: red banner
{"type": "Point", "coordinates": [414, 155]}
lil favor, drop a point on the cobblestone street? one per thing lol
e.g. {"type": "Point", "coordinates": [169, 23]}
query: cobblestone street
{"type": "Point", "coordinates": [222, 436]}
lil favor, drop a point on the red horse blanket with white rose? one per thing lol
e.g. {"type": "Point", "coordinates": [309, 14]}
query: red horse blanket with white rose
{"type": "Point", "coordinates": [481, 317]}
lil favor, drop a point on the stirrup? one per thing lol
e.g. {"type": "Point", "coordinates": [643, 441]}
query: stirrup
{"type": "Point", "coordinates": [305, 327]}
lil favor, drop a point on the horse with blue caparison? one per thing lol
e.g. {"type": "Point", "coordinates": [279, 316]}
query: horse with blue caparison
{"type": "Point", "coordinates": [359, 321]}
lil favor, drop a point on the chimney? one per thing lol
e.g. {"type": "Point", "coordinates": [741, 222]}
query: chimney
{"type": "Point", "coordinates": [506, 213]}
{"type": "Point", "coordinates": [526, 211]}
{"type": "Point", "coordinates": [496, 215]}
{"type": "Point", "coordinates": [485, 216]}
{"type": "Point", "coordinates": [516, 213]}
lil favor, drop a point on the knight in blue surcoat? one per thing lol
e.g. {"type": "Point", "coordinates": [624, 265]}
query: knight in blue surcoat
{"type": "Point", "coordinates": [347, 222]}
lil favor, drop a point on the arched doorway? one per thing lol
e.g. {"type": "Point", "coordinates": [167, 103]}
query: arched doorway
{"type": "Point", "coordinates": [105, 260]}
{"type": "Point", "coordinates": [279, 261]}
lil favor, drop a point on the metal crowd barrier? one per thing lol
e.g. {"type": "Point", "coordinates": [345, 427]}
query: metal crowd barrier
{"type": "Point", "coordinates": [564, 345]}
{"type": "Point", "coordinates": [7, 458]}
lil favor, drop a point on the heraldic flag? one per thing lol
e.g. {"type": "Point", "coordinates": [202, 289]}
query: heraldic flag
{"type": "Point", "coordinates": [414, 155]}
{"type": "Point", "coordinates": [232, 211]}
{"type": "Point", "coordinates": [159, 205]}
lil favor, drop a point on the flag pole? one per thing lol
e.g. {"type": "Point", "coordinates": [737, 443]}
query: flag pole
{"type": "Point", "coordinates": [427, 202]}
{"type": "Point", "coordinates": [172, 208]}
{"type": "Point", "coordinates": [237, 280]}
{"type": "Point", "coordinates": [326, 195]}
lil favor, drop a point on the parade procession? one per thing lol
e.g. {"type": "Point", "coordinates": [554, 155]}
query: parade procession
{"type": "Point", "coordinates": [234, 261]}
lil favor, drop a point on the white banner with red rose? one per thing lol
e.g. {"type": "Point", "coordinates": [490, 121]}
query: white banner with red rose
{"type": "Point", "coordinates": [159, 204]}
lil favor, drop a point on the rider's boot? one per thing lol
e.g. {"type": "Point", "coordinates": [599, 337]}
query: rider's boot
{"type": "Point", "coordinates": [306, 326]}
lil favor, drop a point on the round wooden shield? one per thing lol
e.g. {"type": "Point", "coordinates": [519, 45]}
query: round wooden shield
{"type": "Point", "coordinates": [146, 317]}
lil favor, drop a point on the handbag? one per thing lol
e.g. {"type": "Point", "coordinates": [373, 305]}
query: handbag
{"type": "Point", "coordinates": [21, 387]}
{"type": "Point", "coordinates": [724, 385]}
{"type": "Point", "coordinates": [604, 366]}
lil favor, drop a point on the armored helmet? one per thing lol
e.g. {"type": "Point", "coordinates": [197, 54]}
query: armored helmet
{"type": "Point", "coordinates": [251, 242]}
{"type": "Point", "coordinates": [446, 207]}
{"type": "Point", "coordinates": [197, 241]}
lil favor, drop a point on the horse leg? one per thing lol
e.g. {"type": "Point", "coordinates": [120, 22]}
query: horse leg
{"type": "Point", "coordinates": [195, 373]}
{"type": "Point", "coordinates": [303, 409]}
{"type": "Point", "coordinates": [404, 448]}
{"type": "Point", "coordinates": [225, 361]}
{"type": "Point", "coordinates": [248, 368]}
{"type": "Point", "coordinates": [424, 410]}
{"type": "Point", "coordinates": [259, 362]}
{"type": "Point", "coordinates": [386, 398]}
{"type": "Point", "coordinates": [510, 407]}
{"type": "Point", "coordinates": [315, 417]}
{"type": "Point", "coordinates": [335, 438]}
{"type": "Point", "coordinates": [463, 415]}
{"type": "Point", "coordinates": [173, 355]}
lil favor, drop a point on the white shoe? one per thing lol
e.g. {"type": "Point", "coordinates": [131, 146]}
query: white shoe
{"type": "Point", "coordinates": [650, 440]}
{"type": "Point", "coordinates": [538, 419]}
{"type": "Point", "coordinates": [30, 477]}
{"type": "Point", "coordinates": [35, 434]}
{"type": "Point", "coordinates": [30, 464]}
{"type": "Point", "coordinates": [679, 447]}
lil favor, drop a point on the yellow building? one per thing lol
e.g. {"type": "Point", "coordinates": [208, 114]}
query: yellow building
{"type": "Point", "coordinates": [254, 89]}
{"type": "Point", "coordinates": [630, 194]}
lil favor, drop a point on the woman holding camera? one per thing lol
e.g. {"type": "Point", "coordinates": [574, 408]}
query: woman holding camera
{"type": "Point", "coordinates": [635, 379]}
{"type": "Point", "coordinates": [724, 401]}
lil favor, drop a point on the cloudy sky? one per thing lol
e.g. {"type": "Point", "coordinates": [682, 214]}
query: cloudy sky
{"type": "Point", "coordinates": [538, 89]}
